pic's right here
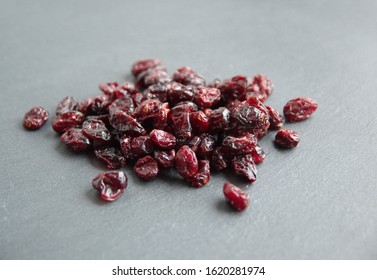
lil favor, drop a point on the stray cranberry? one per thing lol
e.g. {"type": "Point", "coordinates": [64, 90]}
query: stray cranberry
{"type": "Point", "coordinates": [143, 65]}
{"type": "Point", "coordinates": [276, 120]}
{"type": "Point", "coordinates": [123, 122]}
{"type": "Point", "coordinates": [207, 97]}
{"type": "Point", "coordinates": [186, 76]}
{"type": "Point", "coordinates": [186, 162]}
{"type": "Point", "coordinates": [162, 139]}
{"type": "Point", "coordinates": [76, 140]}
{"type": "Point", "coordinates": [35, 118]}
{"type": "Point", "coordinates": [146, 168]}
{"type": "Point", "coordinates": [111, 156]}
{"type": "Point", "coordinates": [141, 146]}
{"type": "Point", "coordinates": [96, 130]}
{"type": "Point", "coordinates": [286, 138]}
{"type": "Point", "coordinates": [202, 177]}
{"type": "Point", "coordinates": [244, 166]}
{"type": "Point", "coordinates": [67, 120]}
{"type": "Point", "coordinates": [111, 185]}
{"type": "Point", "coordinates": [67, 104]}
{"type": "Point", "coordinates": [299, 109]}
{"type": "Point", "coordinates": [237, 198]}
{"type": "Point", "coordinates": [165, 159]}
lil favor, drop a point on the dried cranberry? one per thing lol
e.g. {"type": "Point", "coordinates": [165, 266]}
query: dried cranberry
{"type": "Point", "coordinates": [206, 147]}
{"type": "Point", "coordinates": [108, 88]}
{"type": "Point", "coordinates": [111, 156]}
{"type": "Point", "coordinates": [299, 109]}
{"type": "Point", "coordinates": [155, 76]}
{"type": "Point", "coordinates": [234, 88]}
{"type": "Point", "coordinates": [143, 65]}
{"type": "Point", "coordinates": [260, 87]}
{"type": "Point", "coordinates": [96, 130]}
{"type": "Point", "coordinates": [165, 159]}
{"type": "Point", "coordinates": [146, 168]}
{"type": "Point", "coordinates": [123, 122]}
{"type": "Point", "coordinates": [157, 91]}
{"type": "Point", "coordinates": [186, 76]}
{"type": "Point", "coordinates": [111, 185]}
{"type": "Point", "coordinates": [194, 143]}
{"type": "Point", "coordinates": [160, 119]}
{"type": "Point", "coordinates": [186, 162]}
{"type": "Point", "coordinates": [85, 105]}
{"type": "Point", "coordinates": [207, 97]}
{"type": "Point", "coordinates": [162, 139]}
{"type": "Point", "coordinates": [141, 146]}
{"type": "Point", "coordinates": [276, 120]}
{"type": "Point", "coordinates": [218, 161]}
{"type": "Point", "coordinates": [219, 120]}
{"type": "Point", "coordinates": [199, 122]}
{"type": "Point", "coordinates": [67, 104]}
{"type": "Point", "coordinates": [286, 138]}
{"type": "Point", "coordinates": [237, 198]}
{"type": "Point", "coordinates": [35, 118]}
{"type": "Point", "coordinates": [244, 166]}
{"type": "Point", "coordinates": [100, 105]}
{"type": "Point", "coordinates": [239, 146]}
{"type": "Point", "coordinates": [178, 92]}
{"type": "Point", "coordinates": [125, 146]}
{"type": "Point", "coordinates": [76, 140]}
{"type": "Point", "coordinates": [147, 109]}
{"type": "Point", "coordinates": [202, 177]}
{"type": "Point", "coordinates": [258, 154]}
{"type": "Point", "coordinates": [124, 104]}
{"type": "Point", "coordinates": [182, 126]}
{"type": "Point", "coordinates": [67, 120]}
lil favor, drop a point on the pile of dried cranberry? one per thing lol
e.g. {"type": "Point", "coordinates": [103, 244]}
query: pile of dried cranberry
{"type": "Point", "coordinates": [180, 121]}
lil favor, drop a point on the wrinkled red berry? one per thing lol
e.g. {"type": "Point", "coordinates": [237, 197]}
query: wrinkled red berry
{"type": "Point", "coordinates": [219, 120]}
{"type": "Point", "coordinates": [299, 109]}
{"type": "Point", "coordinates": [186, 162]}
{"type": "Point", "coordinates": [260, 87]}
{"type": "Point", "coordinates": [186, 76]}
{"type": "Point", "coordinates": [276, 120]}
{"type": "Point", "coordinates": [67, 104]}
{"type": "Point", "coordinates": [162, 139]}
{"type": "Point", "coordinates": [146, 168]}
{"type": "Point", "coordinates": [178, 93]}
{"type": "Point", "coordinates": [67, 120]}
{"type": "Point", "coordinates": [108, 88]}
{"type": "Point", "coordinates": [218, 161]}
{"type": "Point", "coordinates": [143, 65]}
{"type": "Point", "coordinates": [96, 130]}
{"type": "Point", "coordinates": [76, 140]}
{"type": "Point", "coordinates": [111, 156]}
{"type": "Point", "coordinates": [100, 105]}
{"type": "Point", "coordinates": [165, 159]}
{"type": "Point", "coordinates": [111, 185]}
{"type": "Point", "coordinates": [155, 76]}
{"type": "Point", "coordinates": [206, 147]}
{"type": "Point", "coordinates": [35, 118]}
{"type": "Point", "coordinates": [286, 138]}
{"type": "Point", "coordinates": [199, 122]}
{"type": "Point", "coordinates": [234, 88]}
{"type": "Point", "coordinates": [123, 122]}
{"type": "Point", "coordinates": [125, 146]}
{"type": "Point", "coordinates": [244, 166]}
{"type": "Point", "coordinates": [237, 198]}
{"type": "Point", "coordinates": [207, 97]}
{"type": "Point", "coordinates": [258, 154]}
{"type": "Point", "coordinates": [124, 104]}
{"type": "Point", "coordinates": [202, 177]}
{"type": "Point", "coordinates": [141, 146]}
{"type": "Point", "coordinates": [182, 126]}
{"type": "Point", "coordinates": [239, 146]}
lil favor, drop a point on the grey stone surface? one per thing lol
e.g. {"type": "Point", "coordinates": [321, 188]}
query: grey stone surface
{"type": "Point", "coordinates": [314, 202]}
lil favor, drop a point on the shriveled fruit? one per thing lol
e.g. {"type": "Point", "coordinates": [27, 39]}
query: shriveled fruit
{"type": "Point", "coordinates": [35, 118]}
{"type": "Point", "coordinates": [67, 104]}
{"type": "Point", "coordinates": [185, 75]}
{"type": "Point", "coordinates": [202, 177]}
{"type": "Point", "coordinates": [111, 156]}
{"type": "Point", "coordinates": [244, 166]}
{"type": "Point", "coordinates": [165, 159]}
{"type": "Point", "coordinates": [111, 185]}
{"type": "Point", "coordinates": [258, 154]}
{"type": "Point", "coordinates": [162, 139]}
{"type": "Point", "coordinates": [286, 138]}
{"type": "Point", "coordinates": [276, 120]}
{"type": "Point", "coordinates": [239, 146]}
{"type": "Point", "coordinates": [123, 122]}
{"type": "Point", "coordinates": [67, 120]}
{"type": "Point", "coordinates": [199, 122]}
{"type": "Point", "coordinates": [143, 65]}
{"type": "Point", "coordinates": [219, 120]}
{"type": "Point", "coordinates": [186, 162]}
{"type": "Point", "coordinates": [96, 130]}
{"type": "Point", "coordinates": [146, 168]}
{"type": "Point", "coordinates": [299, 109]}
{"type": "Point", "coordinates": [236, 197]}
{"type": "Point", "coordinates": [141, 146]}
{"type": "Point", "coordinates": [75, 139]}
{"type": "Point", "coordinates": [261, 87]}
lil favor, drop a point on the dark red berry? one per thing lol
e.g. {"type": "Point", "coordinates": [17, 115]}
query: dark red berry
{"type": "Point", "coordinates": [234, 88]}
{"type": "Point", "coordinates": [157, 91]}
{"type": "Point", "coordinates": [85, 105]}
{"type": "Point", "coordinates": [219, 120]}
{"type": "Point", "coordinates": [141, 146]}
{"type": "Point", "coordinates": [186, 162]}
{"type": "Point", "coordinates": [178, 93]}
{"type": "Point", "coordinates": [258, 154]}
{"type": "Point", "coordinates": [182, 126]}
{"type": "Point", "coordinates": [207, 97]}
{"type": "Point", "coordinates": [125, 146]}
{"type": "Point", "coordinates": [100, 105]}
{"type": "Point", "coordinates": [124, 104]}
{"type": "Point", "coordinates": [162, 139]}
{"type": "Point", "coordinates": [125, 123]}
{"type": "Point", "coordinates": [186, 76]}
{"type": "Point", "coordinates": [146, 168]}
{"type": "Point", "coordinates": [67, 120]}
{"type": "Point", "coordinates": [260, 87]}
{"type": "Point", "coordinates": [76, 140]}
{"type": "Point", "coordinates": [286, 138]}
{"type": "Point", "coordinates": [202, 177]}
{"type": "Point", "coordinates": [108, 88]}
{"type": "Point", "coordinates": [111, 185]}
{"type": "Point", "coordinates": [165, 159]}
{"type": "Point", "coordinates": [218, 161]}
{"type": "Point", "coordinates": [111, 156]}
{"type": "Point", "coordinates": [244, 166]}
{"type": "Point", "coordinates": [239, 146]}
{"type": "Point", "coordinates": [155, 76]}
{"type": "Point", "coordinates": [35, 118]}
{"type": "Point", "coordinates": [199, 122]}
{"type": "Point", "coordinates": [147, 109]}
{"type": "Point", "coordinates": [237, 198]}
{"type": "Point", "coordinates": [143, 65]}
{"type": "Point", "coordinates": [67, 104]}
{"type": "Point", "coordinates": [276, 120]}
{"type": "Point", "coordinates": [194, 143]}
{"type": "Point", "coordinates": [96, 130]}
{"type": "Point", "coordinates": [206, 147]}
{"type": "Point", "coordinates": [299, 109]}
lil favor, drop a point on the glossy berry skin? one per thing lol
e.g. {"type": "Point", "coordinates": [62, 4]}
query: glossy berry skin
{"type": "Point", "coordinates": [178, 93]}
{"type": "Point", "coordinates": [239, 145]}
{"type": "Point", "coordinates": [244, 166]}
{"type": "Point", "coordinates": [202, 177]}
{"type": "Point", "coordinates": [299, 109]}
{"type": "Point", "coordinates": [111, 185]}
{"type": "Point", "coordinates": [182, 126]}
{"type": "Point", "coordinates": [146, 168]}
{"type": "Point", "coordinates": [207, 97]}
{"type": "Point", "coordinates": [67, 120]}
{"type": "Point", "coordinates": [186, 162]}
{"type": "Point", "coordinates": [234, 88]}
{"type": "Point", "coordinates": [96, 130]}
{"type": "Point", "coordinates": [111, 156]}
{"type": "Point", "coordinates": [108, 88]}
{"type": "Point", "coordinates": [219, 120]}
{"type": "Point", "coordinates": [261, 87]}
{"type": "Point", "coordinates": [67, 104]}
{"type": "Point", "coordinates": [206, 146]}
{"type": "Point", "coordinates": [125, 146]}
{"type": "Point", "coordinates": [162, 139]}
{"type": "Point", "coordinates": [199, 122]}
{"type": "Point", "coordinates": [141, 146]}
{"type": "Point", "coordinates": [125, 104]}
{"type": "Point", "coordinates": [286, 138]}
{"type": "Point", "coordinates": [35, 118]}
{"type": "Point", "coordinates": [218, 160]}
{"type": "Point", "coordinates": [237, 198]}
{"type": "Point", "coordinates": [165, 159]}
{"type": "Point", "coordinates": [155, 76]}
{"type": "Point", "coordinates": [75, 139]}
{"type": "Point", "coordinates": [186, 76]}
{"type": "Point", "coordinates": [125, 123]}
{"type": "Point", "coordinates": [276, 120]}
{"type": "Point", "coordinates": [143, 65]}
{"type": "Point", "coordinates": [258, 155]}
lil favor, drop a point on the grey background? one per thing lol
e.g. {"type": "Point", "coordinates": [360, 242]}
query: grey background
{"type": "Point", "coordinates": [314, 202]}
